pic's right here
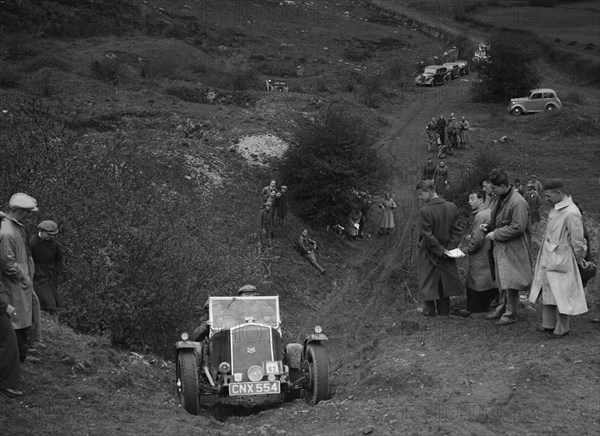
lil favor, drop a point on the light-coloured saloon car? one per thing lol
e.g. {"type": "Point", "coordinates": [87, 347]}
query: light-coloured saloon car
{"type": "Point", "coordinates": [538, 100]}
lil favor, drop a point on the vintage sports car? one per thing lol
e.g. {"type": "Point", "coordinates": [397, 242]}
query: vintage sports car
{"type": "Point", "coordinates": [433, 75]}
{"type": "Point", "coordinates": [537, 100]}
{"type": "Point", "coordinates": [243, 355]}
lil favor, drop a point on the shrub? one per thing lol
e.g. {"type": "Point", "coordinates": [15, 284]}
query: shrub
{"type": "Point", "coordinates": [543, 3]}
{"type": "Point", "coordinates": [485, 160]}
{"type": "Point", "coordinates": [332, 158]}
{"type": "Point", "coordinates": [107, 70]}
{"type": "Point", "coordinates": [142, 247]}
{"type": "Point", "coordinates": [371, 90]}
{"type": "Point", "coordinates": [9, 77]}
{"type": "Point", "coordinates": [511, 69]}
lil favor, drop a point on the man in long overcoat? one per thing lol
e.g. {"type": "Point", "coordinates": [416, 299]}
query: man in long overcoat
{"type": "Point", "coordinates": [17, 269]}
{"type": "Point", "coordinates": [48, 259]}
{"type": "Point", "coordinates": [510, 234]}
{"type": "Point", "coordinates": [441, 129]}
{"type": "Point", "coordinates": [556, 276]}
{"type": "Point", "coordinates": [439, 232]}
{"type": "Point", "coordinates": [481, 287]}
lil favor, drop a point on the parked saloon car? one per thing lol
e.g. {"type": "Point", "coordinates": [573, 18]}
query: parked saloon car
{"type": "Point", "coordinates": [244, 356]}
{"type": "Point", "coordinates": [453, 68]}
{"type": "Point", "coordinates": [539, 100]}
{"type": "Point", "coordinates": [464, 67]}
{"type": "Point", "coordinates": [433, 75]}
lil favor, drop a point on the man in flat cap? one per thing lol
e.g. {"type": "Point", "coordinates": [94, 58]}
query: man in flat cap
{"type": "Point", "coordinates": [17, 268]}
{"type": "Point", "coordinates": [557, 278]}
{"type": "Point", "coordinates": [48, 259]}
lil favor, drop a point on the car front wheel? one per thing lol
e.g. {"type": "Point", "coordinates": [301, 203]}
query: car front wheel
{"type": "Point", "coordinates": [517, 111]}
{"type": "Point", "coordinates": [318, 374]}
{"type": "Point", "coordinates": [187, 381]}
{"type": "Point", "coordinates": [550, 108]}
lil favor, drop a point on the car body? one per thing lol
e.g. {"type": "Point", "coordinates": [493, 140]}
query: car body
{"type": "Point", "coordinates": [433, 75]}
{"type": "Point", "coordinates": [453, 69]}
{"type": "Point", "coordinates": [464, 67]}
{"type": "Point", "coordinates": [538, 100]}
{"type": "Point", "coordinates": [243, 356]}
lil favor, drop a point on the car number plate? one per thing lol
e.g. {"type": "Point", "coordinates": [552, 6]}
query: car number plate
{"type": "Point", "coordinates": [257, 388]}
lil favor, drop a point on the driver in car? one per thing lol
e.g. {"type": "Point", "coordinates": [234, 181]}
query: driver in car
{"type": "Point", "coordinates": [254, 310]}
{"type": "Point", "coordinates": [242, 311]}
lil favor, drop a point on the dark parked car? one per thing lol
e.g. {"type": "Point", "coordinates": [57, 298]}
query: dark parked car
{"type": "Point", "coordinates": [433, 75]}
{"type": "Point", "coordinates": [243, 355]}
{"type": "Point", "coordinates": [453, 69]}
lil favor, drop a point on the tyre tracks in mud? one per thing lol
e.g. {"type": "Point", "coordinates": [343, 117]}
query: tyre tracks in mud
{"type": "Point", "coordinates": [368, 295]}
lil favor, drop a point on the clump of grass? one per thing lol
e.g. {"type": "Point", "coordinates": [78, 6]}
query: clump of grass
{"type": "Point", "coordinates": [9, 76]}
{"type": "Point", "coordinates": [567, 124]}
{"type": "Point", "coordinates": [107, 70]}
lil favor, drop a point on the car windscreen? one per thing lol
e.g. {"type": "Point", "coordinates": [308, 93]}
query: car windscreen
{"type": "Point", "coordinates": [229, 312]}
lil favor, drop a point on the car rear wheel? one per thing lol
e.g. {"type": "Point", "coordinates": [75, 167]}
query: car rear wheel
{"type": "Point", "coordinates": [318, 374]}
{"type": "Point", "coordinates": [550, 108]}
{"type": "Point", "coordinates": [517, 111]}
{"type": "Point", "coordinates": [187, 381]}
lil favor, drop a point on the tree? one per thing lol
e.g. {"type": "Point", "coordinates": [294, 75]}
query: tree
{"type": "Point", "coordinates": [510, 70]}
{"type": "Point", "coordinates": [330, 164]}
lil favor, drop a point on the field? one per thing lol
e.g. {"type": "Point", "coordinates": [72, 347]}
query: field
{"type": "Point", "coordinates": [183, 87]}
{"type": "Point", "coordinates": [571, 27]}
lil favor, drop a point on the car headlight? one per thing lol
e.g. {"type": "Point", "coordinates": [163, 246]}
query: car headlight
{"type": "Point", "coordinates": [184, 336]}
{"type": "Point", "coordinates": [255, 373]}
{"type": "Point", "coordinates": [318, 329]}
{"type": "Point", "coordinates": [224, 367]}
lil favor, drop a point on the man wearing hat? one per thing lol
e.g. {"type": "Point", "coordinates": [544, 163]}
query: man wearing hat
{"type": "Point", "coordinates": [48, 259]}
{"type": "Point", "coordinates": [537, 185]}
{"type": "Point", "coordinates": [533, 200]}
{"type": "Point", "coordinates": [557, 278]}
{"type": "Point", "coordinates": [17, 268]}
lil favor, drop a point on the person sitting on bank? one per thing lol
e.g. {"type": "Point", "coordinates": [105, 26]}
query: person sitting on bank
{"type": "Point", "coordinates": [307, 248]}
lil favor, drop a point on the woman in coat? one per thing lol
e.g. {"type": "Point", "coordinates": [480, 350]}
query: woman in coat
{"type": "Point", "coordinates": [481, 287]}
{"type": "Point", "coordinates": [387, 216]}
{"type": "Point", "coordinates": [463, 132]}
{"type": "Point", "coordinates": [441, 179]}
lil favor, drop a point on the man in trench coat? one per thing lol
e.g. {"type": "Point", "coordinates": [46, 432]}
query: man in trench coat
{"type": "Point", "coordinates": [557, 277]}
{"type": "Point", "coordinates": [439, 232]}
{"type": "Point", "coordinates": [510, 234]}
{"type": "Point", "coordinates": [17, 269]}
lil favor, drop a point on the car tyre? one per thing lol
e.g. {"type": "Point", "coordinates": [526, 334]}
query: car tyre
{"type": "Point", "coordinates": [517, 111]}
{"type": "Point", "coordinates": [187, 381]}
{"type": "Point", "coordinates": [550, 108]}
{"type": "Point", "coordinates": [318, 374]}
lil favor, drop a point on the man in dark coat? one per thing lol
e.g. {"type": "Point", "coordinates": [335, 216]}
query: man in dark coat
{"type": "Point", "coordinates": [441, 129]}
{"type": "Point", "coordinates": [511, 235]}
{"type": "Point", "coordinates": [439, 232]}
{"type": "Point", "coordinates": [428, 170]}
{"type": "Point", "coordinates": [48, 259]}
{"type": "Point", "coordinates": [10, 366]}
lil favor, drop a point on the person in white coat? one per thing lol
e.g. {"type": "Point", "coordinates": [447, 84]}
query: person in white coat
{"type": "Point", "coordinates": [556, 276]}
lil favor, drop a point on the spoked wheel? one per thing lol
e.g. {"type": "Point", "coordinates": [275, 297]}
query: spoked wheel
{"type": "Point", "coordinates": [318, 374]}
{"type": "Point", "coordinates": [187, 381]}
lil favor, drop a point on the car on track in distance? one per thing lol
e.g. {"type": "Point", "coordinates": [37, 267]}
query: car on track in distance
{"type": "Point", "coordinates": [433, 75]}
{"type": "Point", "coordinates": [537, 100]}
